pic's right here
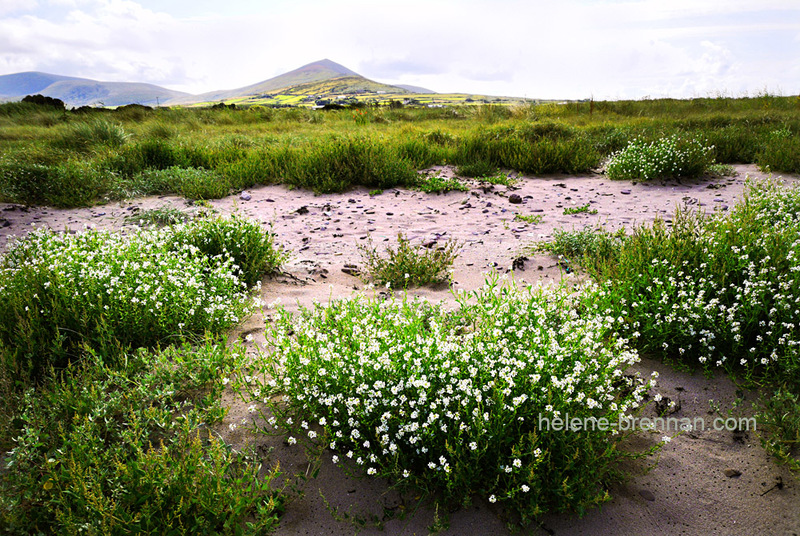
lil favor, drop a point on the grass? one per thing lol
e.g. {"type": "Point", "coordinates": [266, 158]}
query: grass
{"type": "Point", "coordinates": [583, 209]}
{"type": "Point", "coordinates": [408, 265]}
{"type": "Point", "coordinates": [533, 219]}
{"type": "Point", "coordinates": [159, 216]}
{"type": "Point", "coordinates": [437, 184]}
{"type": "Point", "coordinates": [130, 449]}
{"type": "Point", "coordinates": [67, 159]}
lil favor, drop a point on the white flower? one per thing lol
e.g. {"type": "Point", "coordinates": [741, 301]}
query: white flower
{"type": "Point", "coordinates": [473, 446]}
{"type": "Point", "coordinates": [492, 499]}
{"type": "Point", "coordinates": [517, 463]}
{"type": "Point", "coordinates": [225, 381]}
{"type": "Point", "coordinates": [371, 471]}
{"type": "Point", "coordinates": [291, 440]}
{"type": "Point", "coordinates": [312, 434]}
{"type": "Point", "coordinates": [666, 439]}
{"type": "Point", "coordinates": [525, 488]}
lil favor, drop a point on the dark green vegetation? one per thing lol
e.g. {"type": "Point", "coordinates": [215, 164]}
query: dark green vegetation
{"type": "Point", "coordinates": [717, 291]}
{"type": "Point", "coordinates": [106, 409]}
{"type": "Point", "coordinates": [51, 156]}
{"type": "Point", "coordinates": [410, 266]}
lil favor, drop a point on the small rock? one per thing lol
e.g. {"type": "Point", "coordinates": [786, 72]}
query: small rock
{"type": "Point", "coordinates": [4, 223]}
{"type": "Point", "coordinates": [519, 263]}
{"type": "Point", "coordinates": [515, 199]}
{"type": "Point", "coordinates": [626, 192]}
{"type": "Point", "coordinates": [302, 210]}
{"type": "Point", "coordinates": [732, 473]}
{"type": "Point", "coordinates": [647, 495]}
{"type": "Point", "coordinates": [351, 269]}
{"type": "Point", "coordinates": [244, 196]}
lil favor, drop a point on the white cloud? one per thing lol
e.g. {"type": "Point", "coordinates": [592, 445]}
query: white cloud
{"type": "Point", "coordinates": [569, 49]}
{"type": "Point", "coordinates": [15, 6]}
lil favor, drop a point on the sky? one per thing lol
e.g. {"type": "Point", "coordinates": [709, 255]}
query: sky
{"type": "Point", "coordinates": [549, 49]}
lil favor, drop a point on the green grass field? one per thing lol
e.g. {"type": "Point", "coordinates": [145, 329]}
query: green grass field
{"type": "Point", "coordinates": [62, 158]}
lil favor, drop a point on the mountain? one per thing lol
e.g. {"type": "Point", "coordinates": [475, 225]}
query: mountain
{"type": "Point", "coordinates": [320, 79]}
{"type": "Point", "coordinates": [303, 81]}
{"type": "Point", "coordinates": [30, 83]}
{"type": "Point", "coordinates": [415, 89]}
{"type": "Point", "coordinates": [83, 91]}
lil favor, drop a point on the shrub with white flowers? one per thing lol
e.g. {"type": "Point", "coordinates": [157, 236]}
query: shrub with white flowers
{"type": "Point", "coordinates": [60, 292]}
{"type": "Point", "coordinates": [671, 157]}
{"type": "Point", "coordinates": [450, 402]}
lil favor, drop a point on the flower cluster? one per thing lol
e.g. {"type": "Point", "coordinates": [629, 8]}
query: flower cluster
{"type": "Point", "coordinates": [722, 290]}
{"type": "Point", "coordinates": [59, 291]}
{"type": "Point", "coordinates": [671, 157]}
{"type": "Point", "coordinates": [451, 402]}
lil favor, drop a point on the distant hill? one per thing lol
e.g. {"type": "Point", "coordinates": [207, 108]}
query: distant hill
{"type": "Point", "coordinates": [83, 91]}
{"type": "Point", "coordinates": [324, 78]}
{"type": "Point", "coordinates": [415, 89]}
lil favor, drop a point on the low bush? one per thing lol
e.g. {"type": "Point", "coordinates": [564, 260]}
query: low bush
{"type": "Point", "coordinates": [129, 450]}
{"type": "Point", "coordinates": [667, 158]}
{"type": "Point", "coordinates": [781, 152]}
{"type": "Point", "coordinates": [61, 294]}
{"type": "Point", "coordinates": [408, 265]}
{"type": "Point", "coordinates": [715, 291]}
{"type": "Point", "coordinates": [69, 184]}
{"type": "Point", "coordinates": [449, 404]}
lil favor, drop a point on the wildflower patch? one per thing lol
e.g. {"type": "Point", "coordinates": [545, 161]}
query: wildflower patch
{"type": "Point", "coordinates": [447, 403]}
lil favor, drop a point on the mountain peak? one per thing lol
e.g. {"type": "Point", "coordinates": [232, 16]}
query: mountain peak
{"type": "Point", "coordinates": [328, 65]}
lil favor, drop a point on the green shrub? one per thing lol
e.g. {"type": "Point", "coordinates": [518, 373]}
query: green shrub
{"type": "Point", "coordinates": [86, 136]}
{"type": "Point", "coordinates": [191, 183]}
{"type": "Point", "coordinates": [344, 163]}
{"type": "Point", "coordinates": [587, 245]}
{"type": "Point", "coordinates": [410, 266]}
{"type": "Point", "coordinates": [129, 450]}
{"type": "Point", "coordinates": [437, 184]}
{"type": "Point", "coordinates": [69, 184]}
{"type": "Point", "coordinates": [672, 157]}
{"type": "Point", "coordinates": [253, 251]}
{"type": "Point", "coordinates": [717, 291]}
{"type": "Point", "coordinates": [62, 293]}
{"type": "Point", "coordinates": [448, 404]}
{"type": "Point", "coordinates": [781, 152]}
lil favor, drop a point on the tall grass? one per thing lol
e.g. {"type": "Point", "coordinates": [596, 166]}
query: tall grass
{"type": "Point", "coordinates": [329, 151]}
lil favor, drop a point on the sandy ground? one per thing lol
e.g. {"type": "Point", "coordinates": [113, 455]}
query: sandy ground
{"type": "Point", "coordinates": [688, 491]}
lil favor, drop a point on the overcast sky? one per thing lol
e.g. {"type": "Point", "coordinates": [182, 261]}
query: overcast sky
{"type": "Point", "coordinates": [570, 49]}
